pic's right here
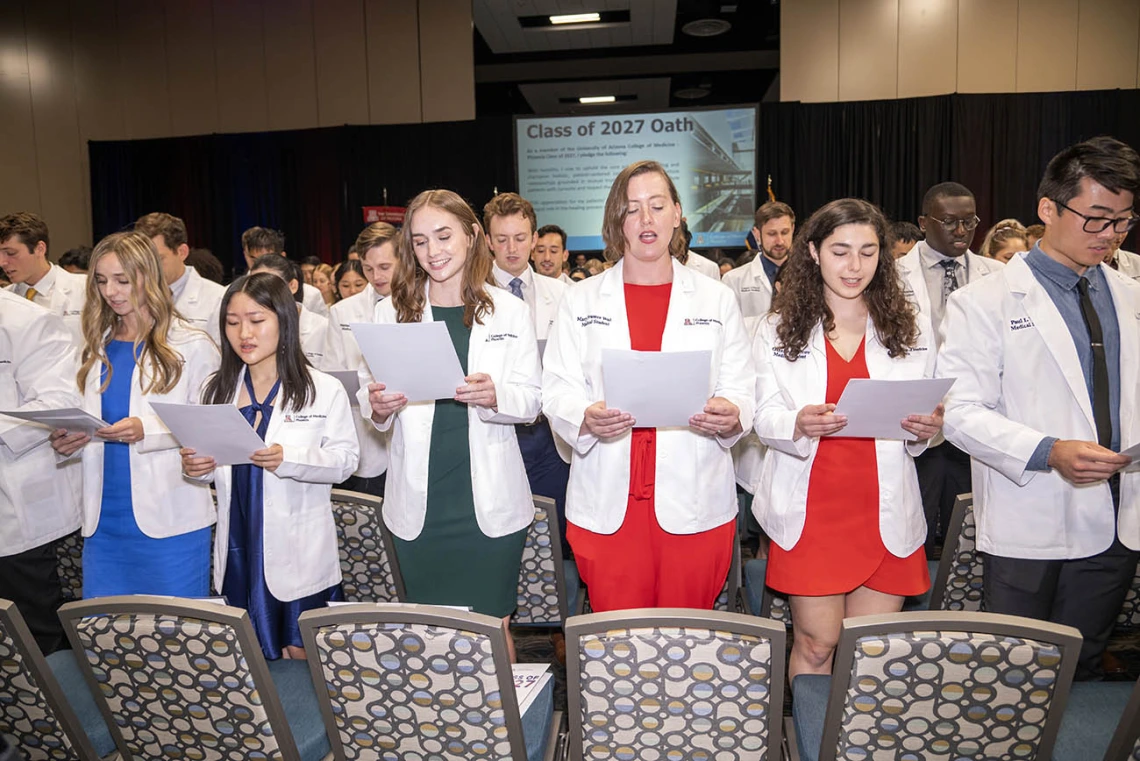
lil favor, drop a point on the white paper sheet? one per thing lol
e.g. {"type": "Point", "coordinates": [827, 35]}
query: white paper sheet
{"type": "Point", "coordinates": [530, 678]}
{"type": "Point", "coordinates": [661, 389]}
{"type": "Point", "coordinates": [73, 419]}
{"type": "Point", "coordinates": [1133, 452]}
{"type": "Point", "coordinates": [875, 408]}
{"type": "Point", "coordinates": [416, 359]}
{"type": "Point", "coordinates": [351, 382]}
{"type": "Point", "coordinates": [211, 430]}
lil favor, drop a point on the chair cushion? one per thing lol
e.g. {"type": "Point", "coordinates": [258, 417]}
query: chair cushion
{"type": "Point", "coordinates": [66, 670]}
{"type": "Point", "coordinates": [754, 573]}
{"type": "Point", "coordinates": [536, 722]}
{"type": "Point", "coordinates": [294, 685]}
{"type": "Point", "coordinates": [1090, 719]}
{"type": "Point", "coordinates": [809, 705]}
{"type": "Point", "coordinates": [573, 582]}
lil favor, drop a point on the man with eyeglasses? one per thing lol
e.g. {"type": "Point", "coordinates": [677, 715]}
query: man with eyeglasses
{"type": "Point", "coordinates": [1046, 355]}
{"type": "Point", "coordinates": [932, 270]}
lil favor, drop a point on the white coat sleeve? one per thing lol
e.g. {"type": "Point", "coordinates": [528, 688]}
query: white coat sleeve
{"type": "Point", "coordinates": [45, 367]}
{"type": "Point", "coordinates": [334, 457]}
{"type": "Point", "coordinates": [201, 360]}
{"type": "Point", "coordinates": [334, 347]}
{"type": "Point", "coordinates": [364, 376]}
{"type": "Point", "coordinates": [775, 421]}
{"type": "Point", "coordinates": [972, 353]}
{"type": "Point", "coordinates": [565, 395]}
{"type": "Point", "coordinates": [736, 376]}
{"type": "Point", "coordinates": [518, 397]}
{"type": "Point", "coordinates": [915, 448]}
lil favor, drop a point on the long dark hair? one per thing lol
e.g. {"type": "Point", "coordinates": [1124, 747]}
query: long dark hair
{"type": "Point", "coordinates": [800, 302]}
{"type": "Point", "coordinates": [269, 291]}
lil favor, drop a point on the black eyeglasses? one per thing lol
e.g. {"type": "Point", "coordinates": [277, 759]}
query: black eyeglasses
{"type": "Point", "coordinates": [950, 225]}
{"type": "Point", "coordinates": [1100, 224]}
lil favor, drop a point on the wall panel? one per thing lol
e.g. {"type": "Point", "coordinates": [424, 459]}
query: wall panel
{"type": "Point", "coordinates": [239, 50]}
{"type": "Point", "coordinates": [987, 46]}
{"type": "Point", "coordinates": [928, 48]}
{"type": "Point", "coordinates": [290, 64]}
{"type": "Point", "coordinates": [95, 36]}
{"type": "Point", "coordinates": [809, 51]}
{"type": "Point", "coordinates": [142, 68]}
{"type": "Point", "coordinates": [1047, 45]}
{"type": "Point", "coordinates": [1107, 44]}
{"type": "Point", "coordinates": [342, 66]}
{"type": "Point", "coordinates": [21, 190]}
{"type": "Point", "coordinates": [447, 68]}
{"type": "Point", "coordinates": [392, 31]}
{"type": "Point", "coordinates": [868, 49]}
{"type": "Point", "coordinates": [190, 65]}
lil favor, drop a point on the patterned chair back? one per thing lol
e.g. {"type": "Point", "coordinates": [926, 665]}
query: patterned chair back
{"type": "Point", "coordinates": [69, 553]}
{"type": "Point", "coordinates": [703, 683]}
{"type": "Point", "coordinates": [1129, 618]}
{"type": "Point", "coordinates": [958, 585]}
{"type": "Point", "coordinates": [33, 708]}
{"type": "Point", "coordinates": [171, 675]}
{"type": "Point", "coordinates": [542, 583]}
{"type": "Point", "coordinates": [367, 562]}
{"type": "Point", "coordinates": [948, 685]}
{"type": "Point", "coordinates": [1125, 744]}
{"type": "Point", "coordinates": [411, 681]}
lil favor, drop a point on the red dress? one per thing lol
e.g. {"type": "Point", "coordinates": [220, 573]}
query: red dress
{"type": "Point", "coordinates": [641, 565]}
{"type": "Point", "coordinates": [841, 548]}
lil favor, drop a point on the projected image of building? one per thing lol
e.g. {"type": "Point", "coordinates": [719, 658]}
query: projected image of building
{"type": "Point", "coordinates": [721, 178]}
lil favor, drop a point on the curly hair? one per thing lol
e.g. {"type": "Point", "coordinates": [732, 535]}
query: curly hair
{"type": "Point", "coordinates": [800, 301]}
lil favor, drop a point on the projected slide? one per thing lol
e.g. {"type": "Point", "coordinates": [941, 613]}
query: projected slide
{"type": "Point", "coordinates": [566, 165]}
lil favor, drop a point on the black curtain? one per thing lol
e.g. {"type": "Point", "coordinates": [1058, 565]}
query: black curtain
{"type": "Point", "coordinates": [312, 183]}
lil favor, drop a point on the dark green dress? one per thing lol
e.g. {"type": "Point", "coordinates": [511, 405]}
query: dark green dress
{"type": "Point", "coordinates": [452, 562]}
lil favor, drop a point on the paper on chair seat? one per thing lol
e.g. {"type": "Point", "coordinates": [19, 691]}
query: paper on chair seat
{"type": "Point", "coordinates": [211, 430]}
{"type": "Point", "coordinates": [416, 359]}
{"type": "Point", "coordinates": [661, 389]}
{"type": "Point", "coordinates": [875, 408]}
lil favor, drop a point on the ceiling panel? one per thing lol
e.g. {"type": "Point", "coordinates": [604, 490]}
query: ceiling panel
{"type": "Point", "coordinates": [544, 97]}
{"type": "Point", "coordinates": [651, 23]}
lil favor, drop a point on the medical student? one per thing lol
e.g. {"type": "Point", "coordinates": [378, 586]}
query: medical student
{"type": "Point", "coordinates": [773, 227]}
{"type": "Point", "coordinates": [350, 279]}
{"type": "Point", "coordinates": [651, 512]}
{"type": "Point", "coordinates": [930, 272]}
{"type": "Point", "coordinates": [377, 246]}
{"type": "Point", "coordinates": [24, 259]}
{"type": "Point", "coordinates": [318, 336]}
{"type": "Point", "coordinates": [1126, 262]}
{"type": "Point", "coordinates": [39, 499]}
{"type": "Point", "coordinates": [844, 514]}
{"type": "Point", "coordinates": [509, 220]}
{"type": "Point", "coordinates": [275, 551]}
{"type": "Point", "coordinates": [147, 528]}
{"type": "Point", "coordinates": [457, 496]}
{"type": "Point", "coordinates": [1046, 354]}
{"type": "Point", "coordinates": [196, 298]}
{"type": "Point", "coordinates": [256, 242]}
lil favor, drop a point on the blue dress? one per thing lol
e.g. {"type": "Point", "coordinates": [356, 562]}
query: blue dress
{"type": "Point", "coordinates": [119, 559]}
{"type": "Point", "coordinates": [274, 621]}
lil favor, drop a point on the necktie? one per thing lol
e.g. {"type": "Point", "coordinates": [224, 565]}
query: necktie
{"type": "Point", "coordinates": [31, 294]}
{"type": "Point", "coordinates": [949, 278]}
{"type": "Point", "coordinates": [1101, 414]}
{"type": "Point", "coordinates": [516, 287]}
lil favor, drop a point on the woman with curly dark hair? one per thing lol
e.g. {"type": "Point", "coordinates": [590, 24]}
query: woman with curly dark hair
{"type": "Point", "coordinates": [844, 514]}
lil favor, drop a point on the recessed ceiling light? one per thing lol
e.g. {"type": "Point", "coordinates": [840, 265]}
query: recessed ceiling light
{"type": "Point", "coordinates": [595, 99]}
{"type": "Point", "coordinates": [706, 27]}
{"type": "Point", "coordinates": [576, 18]}
{"type": "Point", "coordinates": [692, 93]}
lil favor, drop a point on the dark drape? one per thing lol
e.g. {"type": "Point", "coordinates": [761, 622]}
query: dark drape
{"type": "Point", "coordinates": [312, 183]}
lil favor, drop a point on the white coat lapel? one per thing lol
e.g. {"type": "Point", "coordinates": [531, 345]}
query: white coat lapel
{"type": "Point", "coordinates": [1127, 317]}
{"type": "Point", "coordinates": [477, 342]}
{"type": "Point", "coordinates": [879, 363]}
{"type": "Point", "coordinates": [814, 377]}
{"type": "Point", "coordinates": [612, 294]}
{"type": "Point", "coordinates": [680, 297]}
{"type": "Point", "coordinates": [759, 276]}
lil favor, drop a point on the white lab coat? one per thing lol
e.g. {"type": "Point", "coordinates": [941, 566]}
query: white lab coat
{"type": "Point", "coordinates": [503, 347]}
{"type": "Point", "coordinates": [547, 296]}
{"type": "Point", "coordinates": [783, 388]}
{"type": "Point", "coordinates": [356, 309]}
{"type": "Point", "coordinates": [320, 449]}
{"type": "Point", "coordinates": [914, 282]}
{"type": "Point", "coordinates": [695, 488]}
{"type": "Point", "coordinates": [200, 304]}
{"type": "Point", "coordinates": [1019, 380]}
{"type": "Point", "coordinates": [67, 296]}
{"type": "Point", "coordinates": [39, 499]}
{"type": "Point", "coordinates": [748, 453]}
{"type": "Point", "coordinates": [165, 503]}
{"type": "Point", "coordinates": [703, 265]}
{"type": "Point", "coordinates": [752, 287]}
{"type": "Point", "coordinates": [1129, 263]}
{"type": "Point", "coordinates": [313, 300]}
{"type": "Point", "coordinates": [319, 341]}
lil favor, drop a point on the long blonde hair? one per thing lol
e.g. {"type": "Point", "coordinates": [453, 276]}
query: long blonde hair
{"type": "Point", "coordinates": [159, 363]}
{"type": "Point", "coordinates": [408, 293]}
{"type": "Point", "coordinates": [1004, 231]}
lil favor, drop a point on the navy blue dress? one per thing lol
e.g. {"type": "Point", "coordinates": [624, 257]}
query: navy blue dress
{"type": "Point", "coordinates": [119, 559]}
{"type": "Point", "coordinates": [244, 584]}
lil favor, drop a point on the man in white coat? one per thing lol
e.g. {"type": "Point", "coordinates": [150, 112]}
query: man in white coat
{"type": "Point", "coordinates": [773, 228]}
{"type": "Point", "coordinates": [932, 270]}
{"type": "Point", "coordinates": [197, 299]}
{"type": "Point", "coordinates": [550, 254]}
{"type": "Point", "coordinates": [258, 241]}
{"type": "Point", "coordinates": [39, 500]}
{"type": "Point", "coordinates": [1125, 262]}
{"type": "Point", "coordinates": [1046, 354]}
{"type": "Point", "coordinates": [24, 258]}
{"type": "Point", "coordinates": [510, 224]}
{"type": "Point", "coordinates": [377, 247]}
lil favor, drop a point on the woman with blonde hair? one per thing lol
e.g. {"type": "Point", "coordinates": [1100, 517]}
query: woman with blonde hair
{"type": "Point", "coordinates": [147, 528]}
{"type": "Point", "coordinates": [457, 496]}
{"type": "Point", "coordinates": [1006, 238]}
{"type": "Point", "coordinates": [324, 280]}
{"type": "Point", "coordinates": [651, 512]}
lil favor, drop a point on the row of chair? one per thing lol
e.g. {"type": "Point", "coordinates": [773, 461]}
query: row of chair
{"type": "Point", "coordinates": [162, 678]}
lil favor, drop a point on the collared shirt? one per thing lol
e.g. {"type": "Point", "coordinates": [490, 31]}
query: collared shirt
{"type": "Point", "coordinates": [179, 286]}
{"type": "Point", "coordinates": [504, 278]}
{"type": "Point", "coordinates": [771, 269]}
{"type": "Point", "coordinates": [1060, 283]}
{"type": "Point", "coordinates": [44, 287]}
{"type": "Point", "coordinates": [935, 275]}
